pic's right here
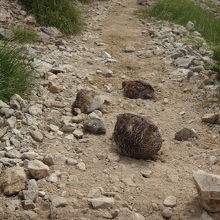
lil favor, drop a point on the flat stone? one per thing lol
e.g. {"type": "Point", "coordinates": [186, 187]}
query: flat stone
{"type": "Point", "coordinates": [13, 154]}
{"type": "Point", "coordinates": [78, 133]}
{"type": "Point", "coordinates": [102, 202]}
{"type": "Point", "coordinates": [36, 109]}
{"type": "Point", "coordinates": [37, 135]}
{"type": "Point", "coordinates": [13, 205]}
{"type": "Point", "coordinates": [38, 169]}
{"type": "Point", "coordinates": [184, 62]}
{"type": "Point", "coordinates": [167, 212]}
{"type": "Point", "coordinates": [210, 118]}
{"type": "Point", "coordinates": [71, 161]}
{"type": "Point", "coordinates": [105, 55]}
{"type": "Point", "coordinates": [208, 187]}
{"type": "Point", "coordinates": [129, 49]}
{"type": "Point", "coordinates": [94, 126]}
{"type": "Point", "coordinates": [185, 134]}
{"type": "Point", "coordinates": [10, 162]}
{"type": "Point", "coordinates": [170, 201]}
{"type": "Point", "coordinates": [30, 195]}
{"type": "Point", "coordinates": [11, 121]}
{"type": "Point", "coordinates": [114, 157]}
{"type": "Point", "coordinates": [58, 201]}
{"type": "Point", "coordinates": [30, 155]}
{"type": "Point", "coordinates": [146, 173]}
{"type": "Point", "coordinates": [13, 180]}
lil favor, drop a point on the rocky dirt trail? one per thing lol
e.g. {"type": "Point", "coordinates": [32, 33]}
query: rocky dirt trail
{"type": "Point", "coordinates": [86, 167]}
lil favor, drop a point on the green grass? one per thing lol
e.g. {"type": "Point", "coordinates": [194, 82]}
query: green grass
{"type": "Point", "coordinates": [15, 72]}
{"type": "Point", "coordinates": [61, 14]}
{"type": "Point", "coordinates": [24, 35]}
{"type": "Point", "coordinates": [182, 11]}
{"type": "Point", "coordinates": [86, 1]}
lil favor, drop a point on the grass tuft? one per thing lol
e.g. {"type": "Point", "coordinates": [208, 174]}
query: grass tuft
{"type": "Point", "coordinates": [61, 14]}
{"type": "Point", "coordinates": [15, 72]}
{"type": "Point", "coordinates": [24, 35]}
{"type": "Point", "coordinates": [182, 11]}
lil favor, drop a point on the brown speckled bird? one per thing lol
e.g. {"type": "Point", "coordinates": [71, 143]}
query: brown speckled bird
{"type": "Point", "coordinates": [138, 89]}
{"type": "Point", "coordinates": [87, 101]}
{"type": "Point", "coordinates": [136, 136]}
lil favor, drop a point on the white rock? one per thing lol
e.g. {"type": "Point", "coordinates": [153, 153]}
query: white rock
{"type": "Point", "coordinates": [190, 26]}
{"type": "Point", "coordinates": [78, 133]}
{"type": "Point", "coordinates": [170, 201]}
{"type": "Point", "coordinates": [81, 166]}
{"type": "Point", "coordinates": [102, 202]}
{"type": "Point", "coordinates": [37, 169]}
{"type": "Point", "coordinates": [105, 55]}
{"type": "Point", "coordinates": [35, 109]}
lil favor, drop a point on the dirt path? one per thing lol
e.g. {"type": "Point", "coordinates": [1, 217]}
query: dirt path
{"type": "Point", "coordinates": [172, 172]}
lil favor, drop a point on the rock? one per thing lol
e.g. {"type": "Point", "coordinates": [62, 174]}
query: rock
{"type": "Point", "coordinates": [78, 133]}
{"type": "Point", "coordinates": [105, 55]}
{"type": "Point", "coordinates": [37, 135]}
{"type": "Point", "coordinates": [205, 216]}
{"type": "Point", "coordinates": [212, 160]}
{"type": "Point", "coordinates": [208, 187]}
{"type": "Point", "coordinates": [37, 169]}
{"type": "Point", "coordinates": [48, 160]}
{"type": "Point", "coordinates": [8, 112]}
{"type": "Point", "coordinates": [30, 215]}
{"type": "Point", "coordinates": [17, 102]}
{"type": "Point", "coordinates": [170, 201]}
{"type": "Point", "coordinates": [58, 201]}
{"type": "Point", "coordinates": [94, 193]}
{"type": "Point", "coordinates": [94, 126]}
{"type": "Point", "coordinates": [198, 69]}
{"type": "Point", "coordinates": [54, 89]}
{"type": "Point", "coordinates": [3, 104]}
{"type": "Point", "coordinates": [184, 62]}
{"type": "Point", "coordinates": [52, 178]}
{"type": "Point", "coordinates": [8, 162]}
{"type": "Point", "coordinates": [30, 155]}
{"type": "Point", "coordinates": [136, 136]}
{"type": "Point", "coordinates": [142, 2]}
{"type": "Point", "coordinates": [28, 204]}
{"type": "Point", "coordinates": [35, 109]}
{"type": "Point", "coordinates": [30, 195]}
{"type": "Point", "coordinates": [87, 101]}
{"type": "Point", "coordinates": [11, 121]}
{"type": "Point", "coordinates": [13, 180]}
{"type": "Point", "coordinates": [101, 202]}
{"type": "Point", "coordinates": [71, 161]}
{"type": "Point", "coordinates": [138, 89]}
{"type": "Point", "coordinates": [114, 157]}
{"type": "Point", "coordinates": [6, 34]}
{"type": "Point", "coordinates": [13, 205]}
{"type": "Point", "coordinates": [185, 134]}
{"type": "Point", "coordinates": [32, 185]}
{"type": "Point", "coordinates": [81, 166]}
{"type": "Point", "coordinates": [13, 154]}
{"type": "Point", "coordinates": [167, 212]}
{"type": "Point", "coordinates": [129, 49]}
{"type": "Point", "coordinates": [146, 173]}
{"type": "Point", "coordinates": [126, 214]}
{"type": "Point", "coordinates": [190, 26]}
{"type": "Point", "coordinates": [210, 118]}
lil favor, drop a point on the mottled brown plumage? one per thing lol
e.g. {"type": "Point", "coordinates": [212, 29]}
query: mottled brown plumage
{"type": "Point", "coordinates": [138, 89]}
{"type": "Point", "coordinates": [87, 101]}
{"type": "Point", "coordinates": [136, 136]}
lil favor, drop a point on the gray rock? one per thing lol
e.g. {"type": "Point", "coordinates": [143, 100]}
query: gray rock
{"type": "Point", "coordinates": [13, 154]}
{"type": "Point", "coordinates": [13, 180]}
{"type": "Point", "coordinates": [71, 161]}
{"type": "Point", "coordinates": [167, 212]}
{"type": "Point", "coordinates": [52, 178]}
{"type": "Point", "coordinates": [102, 202]}
{"type": "Point", "coordinates": [17, 102]}
{"type": "Point", "coordinates": [129, 49]}
{"type": "Point", "coordinates": [105, 55]}
{"type": "Point", "coordinates": [35, 109]}
{"type": "Point", "coordinates": [146, 173]}
{"type": "Point", "coordinates": [13, 205]}
{"type": "Point", "coordinates": [37, 169]}
{"type": "Point", "coordinates": [3, 104]}
{"type": "Point", "coordinates": [48, 160]}
{"type": "Point", "coordinates": [184, 62]}
{"type": "Point", "coordinates": [208, 187]}
{"type": "Point", "coordinates": [205, 216]}
{"type": "Point", "coordinates": [190, 26]}
{"type": "Point", "coordinates": [7, 112]}
{"type": "Point", "coordinates": [210, 118]}
{"type": "Point", "coordinates": [8, 162]}
{"type": "Point", "coordinates": [37, 135]}
{"type": "Point", "coordinates": [81, 166]}
{"type": "Point", "coordinates": [32, 185]}
{"type": "Point", "coordinates": [126, 214]}
{"type": "Point", "coordinates": [28, 204]}
{"type": "Point", "coordinates": [198, 69]}
{"type": "Point", "coordinates": [94, 126]}
{"type": "Point", "coordinates": [11, 121]}
{"type": "Point", "coordinates": [114, 157]}
{"type": "Point", "coordinates": [30, 155]}
{"type": "Point", "coordinates": [170, 201]}
{"type": "Point", "coordinates": [30, 215]}
{"type": "Point", "coordinates": [185, 134]}
{"type": "Point", "coordinates": [6, 34]}
{"type": "Point", "coordinates": [58, 201]}
{"type": "Point", "coordinates": [30, 195]}
{"type": "Point", "coordinates": [78, 133]}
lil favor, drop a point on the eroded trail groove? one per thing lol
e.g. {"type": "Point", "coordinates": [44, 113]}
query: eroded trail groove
{"type": "Point", "coordinates": [89, 167]}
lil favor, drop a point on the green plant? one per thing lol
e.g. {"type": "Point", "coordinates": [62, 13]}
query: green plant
{"type": "Point", "coordinates": [15, 72]}
{"type": "Point", "coordinates": [62, 14]}
{"type": "Point", "coordinates": [24, 35]}
{"type": "Point", "coordinates": [216, 54]}
{"type": "Point", "coordinates": [182, 11]}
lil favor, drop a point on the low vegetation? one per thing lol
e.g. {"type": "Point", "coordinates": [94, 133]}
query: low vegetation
{"type": "Point", "coordinates": [62, 14]}
{"type": "Point", "coordinates": [24, 35]}
{"type": "Point", "coordinates": [15, 72]}
{"type": "Point", "coordinates": [182, 11]}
